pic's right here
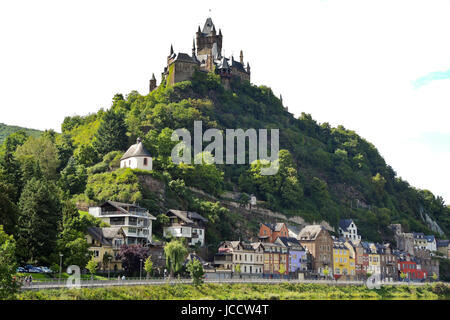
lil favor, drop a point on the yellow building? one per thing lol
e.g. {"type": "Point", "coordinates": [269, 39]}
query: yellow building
{"type": "Point", "coordinates": [105, 244]}
{"type": "Point", "coordinates": [343, 261]}
{"type": "Point", "coordinates": [352, 259]}
{"type": "Point", "coordinates": [374, 260]}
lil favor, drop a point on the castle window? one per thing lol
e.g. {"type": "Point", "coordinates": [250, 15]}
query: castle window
{"type": "Point", "coordinates": [145, 161]}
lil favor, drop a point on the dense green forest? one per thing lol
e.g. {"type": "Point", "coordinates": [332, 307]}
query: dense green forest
{"type": "Point", "coordinates": [6, 130]}
{"type": "Point", "coordinates": [325, 173]}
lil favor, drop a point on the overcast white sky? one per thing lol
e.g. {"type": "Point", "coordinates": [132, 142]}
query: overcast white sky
{"type": "Point", "coordinates": [381, 68]}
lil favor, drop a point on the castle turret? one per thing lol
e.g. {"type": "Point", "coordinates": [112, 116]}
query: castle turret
{"type": "Point", "coordinates": [242, 57]}
{"type": "Point", "coordinates": [248, 68]}
{"type": "Point", "coordinates": [193, 48]}
{"type": "Point", "coordinates": [207, 37]}
{"type": "Point", "coordinates": [152, 83]}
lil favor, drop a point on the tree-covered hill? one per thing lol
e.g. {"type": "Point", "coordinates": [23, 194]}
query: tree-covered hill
{"type": "Point", "coordinates": [325, 173]}
{"type": "Point", "coordinates": [329, 173]}
{"type": "Point", "coordinates": [6, 130]}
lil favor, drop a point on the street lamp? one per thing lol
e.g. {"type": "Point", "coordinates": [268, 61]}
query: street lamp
{"type": "Point", "coordinates": [140, 270]}
{"type": "Point", "coordinates": [60, 267]}
{"type": "Point", "coordinates": [109, 266]}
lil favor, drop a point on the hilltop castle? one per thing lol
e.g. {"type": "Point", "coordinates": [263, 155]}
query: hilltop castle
{"type": "Point", "coordinates": [206, 57]}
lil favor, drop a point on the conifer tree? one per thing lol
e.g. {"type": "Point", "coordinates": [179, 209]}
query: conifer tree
{"type": "Point", "coordinates": [39, 221]}
{"type": "Point", "coordinates": [111, 134]}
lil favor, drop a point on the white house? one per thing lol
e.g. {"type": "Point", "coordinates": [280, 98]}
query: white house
{"type": "Point", "coordinates": [186, 224]}
{"type": "Point", "coordinates": [136, 222]}
{"type": "Point", "coordinates": [431, 243]}
{"type": "Point", "coordinates": [348, 230]}
{"type": "Point", "coordinates": [137, 157]}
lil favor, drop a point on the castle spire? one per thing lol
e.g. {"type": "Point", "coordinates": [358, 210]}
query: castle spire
{"type": "Point", "coordinates": [220, 32]}
{"type": "Point", "coordinates": [171, 49]}
{"type": "Point", "coordinates": [193, 47]}
{"type": "Point", "coordinates": [153, 83]}
{"type": "Point", "coordinates": [242, 57]}
{"type": "Point", "coordinates": [248, 67]}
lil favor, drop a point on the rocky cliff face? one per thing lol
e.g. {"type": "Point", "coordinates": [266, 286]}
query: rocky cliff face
{"type": "Point", "coordinates": [433, 225]}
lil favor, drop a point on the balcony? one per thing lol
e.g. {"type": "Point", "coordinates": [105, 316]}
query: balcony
{"type": "Point", "coordinates": [223, 259]}
{"type": "Point", "coordinates": [117, 212]}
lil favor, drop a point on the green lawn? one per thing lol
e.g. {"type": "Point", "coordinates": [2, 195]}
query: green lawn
{"type": "Point", "coordinates": [284, 291]}
{"type": "Point", "coordinates": [55, 276]}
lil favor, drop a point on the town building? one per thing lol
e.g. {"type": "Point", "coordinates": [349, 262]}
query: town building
{"type": "Point", "coordinates": [361, 260]}
{"type": "Point", "coordinates": [443, 246]}
{"type": "Point", "coordinates": [207, 56]}
{"type": "Point", "coordinates": [137, 157]}
{"type": "Point", "coordinates": [270, 232]}
{"type": "Point", "coordinates": [276, 260]}
{"type": "Point", "coordinates": [135, 221]}
{"type": "Point", "coordinates": [319, 243]}
{"type": "Point", "coordinates": [388, 263]}
{"type": "Point", "coordinates": [242, 259]}
{"type": "Point", "coordinates": [186, 224]}
{"type": "Point", "coordinates": [425, 260]}
{"type": "Point", "coordinates": [420, 241]}
{"type": "Point", "coordinates": [298, 258]}
{"type": "Point", "coordinates": [412, 270]}
{"type": "Point", "coordinates": [374, 266]}
{"type": "Point", "coordinates": [343, 261]}
{"type": "Point", "coordinates": [348, 230]}
{"type": "Point", "coordinates": [105, 245]}
{"type": "Point", "coordinates": [157, 256]}
{"type": "Point", "coordinates": [405, 242]}
{"type": "Point", "coordinates": [431, 243]}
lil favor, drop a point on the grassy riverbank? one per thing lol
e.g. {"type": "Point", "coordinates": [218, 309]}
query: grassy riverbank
{"type": "Point", "coordinates": [284, 291]}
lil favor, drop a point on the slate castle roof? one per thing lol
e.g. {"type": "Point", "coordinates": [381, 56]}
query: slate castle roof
{"type": "Point", "coordinates": [136, 150]}
{"type": "Point", "coordinates": [184, 57]}
{"type": "Point", "coordinates": [208, 27]}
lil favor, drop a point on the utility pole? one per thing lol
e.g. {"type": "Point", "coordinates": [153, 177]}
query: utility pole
{"type": "Point", "coordinates": [60, 267]}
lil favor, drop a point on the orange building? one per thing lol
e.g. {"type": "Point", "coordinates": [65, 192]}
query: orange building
{"type": "Point", "coordinates": [270, 232]}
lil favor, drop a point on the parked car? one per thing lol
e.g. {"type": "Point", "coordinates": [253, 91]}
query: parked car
{"type": "Point", "coordinates": [21, 270]}
{"type": "Point", "coordinates": [32, 269]}
{"type": "Point", "coordinates": [45, 270]}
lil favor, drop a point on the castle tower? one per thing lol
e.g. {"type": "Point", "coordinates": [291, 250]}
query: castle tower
{"type": "Point", "coordinates": [171, 55]}
{"type": "Point", "coordinates": [152, 83]}
{"type": "Point", "coordinates": [207, 37]}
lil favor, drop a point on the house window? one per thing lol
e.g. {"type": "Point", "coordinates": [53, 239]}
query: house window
{"type": "Point", "coordinates": [145, 161]}
{"type": "Point", "coordinates": [96, 253]}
